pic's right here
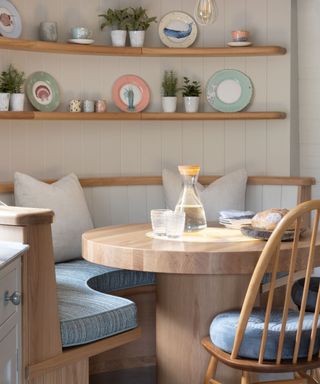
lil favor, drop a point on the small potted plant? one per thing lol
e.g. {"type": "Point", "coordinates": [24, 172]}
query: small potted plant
{"type": "Point", "coordinates": [11, 82]}
{"type": "Point", "coordinates": [117, 19]}
{"type": "Point", "coordinates": [191, 91]}
{"type": "Point", "coordinates": [169, 91]}
{"type": "Point", "coordinates": [138, 23]}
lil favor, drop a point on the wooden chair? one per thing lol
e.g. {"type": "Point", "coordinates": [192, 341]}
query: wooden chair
{"type": "Point", "coordinates": [300, 352]}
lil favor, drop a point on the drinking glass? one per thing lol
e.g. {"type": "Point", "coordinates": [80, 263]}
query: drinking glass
{"type": "Point", "coordinates": [175, 224]}
{"type": "Point", "coordinates": [159, 221]}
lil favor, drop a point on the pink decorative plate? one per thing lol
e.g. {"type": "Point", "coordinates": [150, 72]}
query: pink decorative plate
{"type": "Point", "coordinates": [130, 93]}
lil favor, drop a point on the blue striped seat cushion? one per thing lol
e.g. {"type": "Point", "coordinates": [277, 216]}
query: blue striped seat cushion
{"type": "Point", "coordinates": [223, 329]}
{"type": "Point", "coordinates": [87, 313]}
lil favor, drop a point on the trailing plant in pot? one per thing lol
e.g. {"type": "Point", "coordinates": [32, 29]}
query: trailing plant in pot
{"type": "Point", "coordinates": [11, 82]}
{"type": "Point", "coordinates": [169, 91]}
{"type": "Point", "coordinates": [138, 23]}
{"type": "Point", "coordinates": [191, 91]}
{"type": "Point", "coordinates": [117, 19]}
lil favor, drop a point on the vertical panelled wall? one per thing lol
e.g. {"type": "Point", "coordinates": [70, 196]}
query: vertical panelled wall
{"type": "Point", "coordinates": [309, 87]}
{"type": "Point", "coordinates": [51, 149]}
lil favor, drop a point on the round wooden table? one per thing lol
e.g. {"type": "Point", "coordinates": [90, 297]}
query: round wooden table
{"type": "Point", "coordinates": [195, 280]}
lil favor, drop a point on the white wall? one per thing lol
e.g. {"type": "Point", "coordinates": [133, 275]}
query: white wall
{"type": "Point", "coordinates": [309, 89]}
{"type": "Point", "coordinates": [51, 149]}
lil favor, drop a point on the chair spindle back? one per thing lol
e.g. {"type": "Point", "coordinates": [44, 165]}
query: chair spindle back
{"type": "Point", "coordinates": [270, 261]}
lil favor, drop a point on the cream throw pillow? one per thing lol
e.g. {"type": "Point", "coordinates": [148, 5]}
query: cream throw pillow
{"type": "Point", "coordinates": [66, 198]}
{"type": "Point", "coordinates": [228, 192]}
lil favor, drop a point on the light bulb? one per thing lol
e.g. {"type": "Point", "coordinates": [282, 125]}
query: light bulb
{"type": "Point", "coordinates": [206, 11]}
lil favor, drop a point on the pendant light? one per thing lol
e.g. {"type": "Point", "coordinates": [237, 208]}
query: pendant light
{"type": "Point", "coordinates": [205, 11]}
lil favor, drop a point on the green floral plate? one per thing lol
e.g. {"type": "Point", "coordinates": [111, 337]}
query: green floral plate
{"type": "Point", "coordinates": [43, 91]}
{"type": "Point", "coordinates": [229, 90]}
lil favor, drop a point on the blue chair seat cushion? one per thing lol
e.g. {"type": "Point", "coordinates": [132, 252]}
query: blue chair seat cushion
{"type": "Point", "coordinates": [87, 312]}
{"type": "Point", "coordinates": [223, 329]}
{"type": "Point", "coordinates": [297, 291]}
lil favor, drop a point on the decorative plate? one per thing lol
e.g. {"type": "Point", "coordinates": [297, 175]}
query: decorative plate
{"type": "Point", "coordinates": [177, 30]}
{"type": "Point", "coordinates": [43, 91]}
{"type": "Point", "coordinates": [10, 21]}
{"type": "Point", "coordinates": [81, 41]}
{"type": "Point", "coordinates": [229, 90]}
{"type": "Point", "coordinates": [130, 93]}
{"type": "Point", "coordinates": [262, 234]}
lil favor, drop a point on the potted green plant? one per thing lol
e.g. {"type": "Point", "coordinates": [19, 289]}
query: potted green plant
{"type": "Point", "coordinates": [117, 19]}
{"type": "Point", "coordinates": [11, 82]}
{"type": "Point", "coordinates": [169, 91]}
{"type": "Point", "coordinates": [138, 23]}
{"type": "Point", "coordinates": [191, 91]}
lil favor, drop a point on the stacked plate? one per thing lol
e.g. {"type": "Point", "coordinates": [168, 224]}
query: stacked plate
{"type": "Point", "coordinates": [235, 219]}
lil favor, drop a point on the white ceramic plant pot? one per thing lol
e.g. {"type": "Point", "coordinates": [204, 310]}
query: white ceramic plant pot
{"type": "Point", "coordinates": [169, 103]}
{"type": "Point", "coordinates": [17, 102]}
{"type": "Point", "coordinates": [4, 101]}
{"type": "Point", "coordinates": [118, 38]}
{"type": "Point", "coordinates": [137, 38]}
{"type": "Point", "coordinates": [191, 103]}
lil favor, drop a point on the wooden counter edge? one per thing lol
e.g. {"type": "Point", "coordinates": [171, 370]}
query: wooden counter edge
{"type": "Point", "coordinates": [25, 216]}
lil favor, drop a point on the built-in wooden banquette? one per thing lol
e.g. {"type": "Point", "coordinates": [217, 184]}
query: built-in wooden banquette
{"type": "Point", "coordinates": [44, 360]}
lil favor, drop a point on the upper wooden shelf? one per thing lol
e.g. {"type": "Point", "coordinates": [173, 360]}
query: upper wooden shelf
{"type": "Point", "coordinates": [78, 49]}
{"type": "Point", "coordinates": [34, 115]}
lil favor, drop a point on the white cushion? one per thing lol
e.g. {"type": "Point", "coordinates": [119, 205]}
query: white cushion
{"type": "Point", "coordinates": [228, 192]}
{"type": "Point", "coordinates": [66, 198]}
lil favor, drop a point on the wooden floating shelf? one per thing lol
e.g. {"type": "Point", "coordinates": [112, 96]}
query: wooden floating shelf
{"type": "Point", "coordinates": [34, 115]}
{"type": "Point", "coordinates": [78, 49]}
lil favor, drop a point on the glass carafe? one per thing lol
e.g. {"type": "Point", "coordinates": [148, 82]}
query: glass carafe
{"type": "Point", "coordinates": [189, 201]}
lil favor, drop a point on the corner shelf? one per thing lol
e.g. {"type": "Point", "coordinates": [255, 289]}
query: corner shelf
{"type": "Point", "coordinates": [104, 50]}
{"type": "Point", "coordinates": [34, 115]}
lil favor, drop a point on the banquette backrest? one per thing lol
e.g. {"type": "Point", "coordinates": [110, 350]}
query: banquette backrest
{"type": "Point", "coordinates": [129, 199]}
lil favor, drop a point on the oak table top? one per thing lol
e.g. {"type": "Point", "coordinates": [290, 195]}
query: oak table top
{"type": "Point", "coordinates": [227, 251]}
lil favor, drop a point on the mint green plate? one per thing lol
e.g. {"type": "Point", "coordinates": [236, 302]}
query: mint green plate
{"type": "Point", "coordinates": [43, 91]}
{"type": "Point", "coordinates": [229, 90]}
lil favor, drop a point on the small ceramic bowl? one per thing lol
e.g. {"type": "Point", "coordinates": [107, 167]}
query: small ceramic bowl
{"type": "Point", "coordinates": [240, 35]}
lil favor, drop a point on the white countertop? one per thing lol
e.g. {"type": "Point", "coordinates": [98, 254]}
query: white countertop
{"type": "Point", "coordinates": [9, 251]}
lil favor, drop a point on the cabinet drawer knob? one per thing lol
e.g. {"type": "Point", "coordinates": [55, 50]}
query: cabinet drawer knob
{"type": "Point", "coordinates": [15, 297]}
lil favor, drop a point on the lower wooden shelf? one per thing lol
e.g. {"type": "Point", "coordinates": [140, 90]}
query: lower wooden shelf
{"type": "Point", "coordinates": [35, 115]}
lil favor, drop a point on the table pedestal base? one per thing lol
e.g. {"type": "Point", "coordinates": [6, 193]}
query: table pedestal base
{"type": "Point", "coordinates": [186, 305]}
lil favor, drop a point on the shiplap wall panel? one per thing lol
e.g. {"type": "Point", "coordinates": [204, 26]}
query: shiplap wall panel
{"type": "Point", "coordinates": [171, 143]}
{"type": "Point", "coordinates": [289, 196]}
{"type": "Point", "coordinates": [214, 148]}
{"type": "Point", "coordinates": [254, 195]}
{"type": "Point", "coordinates": [234, 145]}
{"type": "Point", "coordinates": [151, 139]}
{"type": "Point", "coordinates": [192, 142]}
{"type": "Point", "coordinates": [309, 85]}
{"type": "Point", "coordinates": [155, 198]}
{"type": "Point", "coordinates": [119, 205]}
{"type": "Point", "coordinates": [110, 163]}
{"type": "Point", "coordinates": [52, 149]}
{"type": "Point", "coordinates": [255, 150]}
{"type": "Point", "coordinates": [271, 196]}
{"type": "Point", "coordinates": [137, 197]}
{"type": "Point", "coordinates": [130, 148]}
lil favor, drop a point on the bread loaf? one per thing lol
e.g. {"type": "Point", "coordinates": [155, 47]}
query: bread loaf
{"type": "Point", "coordinates": [268, 219]}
